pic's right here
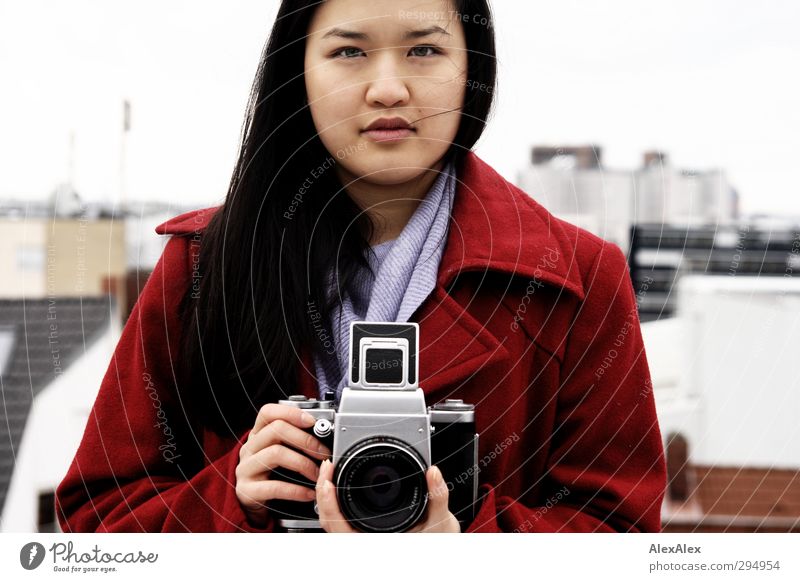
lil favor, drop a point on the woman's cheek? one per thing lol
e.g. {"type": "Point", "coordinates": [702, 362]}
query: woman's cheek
{"type": "Point", "coordinates": [445, 110]}
{"type": "Point", "coordinates": [329, 124]}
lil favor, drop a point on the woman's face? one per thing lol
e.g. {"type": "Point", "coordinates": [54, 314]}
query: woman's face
{"type": "Point", "coordinates": [371, 59]}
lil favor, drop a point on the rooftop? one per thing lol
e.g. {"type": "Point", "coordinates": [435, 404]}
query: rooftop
{"type": "Point", "coordinates": [39, 340]}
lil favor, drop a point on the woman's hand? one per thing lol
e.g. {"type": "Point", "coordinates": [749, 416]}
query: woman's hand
{"type": "Point", "coordinates": [438, 518]}
{"type": "Point", "coordinates": [276, 426]}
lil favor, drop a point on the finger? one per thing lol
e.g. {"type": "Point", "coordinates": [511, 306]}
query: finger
{"type": "Point", "coordinates": [330, 517]}
{"type": "Point", "coordinates": [325, 472]}
{"type": "Point", "coordinates": [268, 459]}
{"type": "Point", "coordinates": [281, 432]}
{"type": "Point", "coordinates": [291, 414]}
{"type": "Point", "coordinates": [264, 491]}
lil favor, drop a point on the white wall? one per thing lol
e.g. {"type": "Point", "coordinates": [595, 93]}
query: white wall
{"type": "Point", "coordinates": [665, 194]}
{"type": "Point", "coordinates": [741, 360]}
{"type": "Point", "coordinates": [725, 370]}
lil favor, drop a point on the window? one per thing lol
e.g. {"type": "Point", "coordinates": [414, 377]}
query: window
{"type": "Point", "coordinates": [30, 258]}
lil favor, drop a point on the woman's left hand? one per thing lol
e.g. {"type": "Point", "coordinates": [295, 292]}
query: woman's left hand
{"type": "Point", "coordinates": [437, 520]}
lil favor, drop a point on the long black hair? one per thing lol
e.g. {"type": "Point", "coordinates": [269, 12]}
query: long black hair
{"type": "Point", "coordinates": [265, 253]}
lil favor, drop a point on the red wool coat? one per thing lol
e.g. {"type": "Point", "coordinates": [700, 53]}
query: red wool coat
{"type": "Point", "coordinates": [532, 319]}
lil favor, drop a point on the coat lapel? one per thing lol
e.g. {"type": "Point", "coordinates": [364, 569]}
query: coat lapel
{"type": "Point", "coordinates": [454, 346]}
{"type": "Point", "coordinates": [494, 226]}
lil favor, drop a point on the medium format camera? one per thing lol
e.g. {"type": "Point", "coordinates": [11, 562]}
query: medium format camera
{"type": "Point", "coordinates": [383, 439]}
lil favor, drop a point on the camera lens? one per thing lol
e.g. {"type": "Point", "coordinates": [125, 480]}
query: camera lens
{"type": "Point", "coordinates": [381, 485]}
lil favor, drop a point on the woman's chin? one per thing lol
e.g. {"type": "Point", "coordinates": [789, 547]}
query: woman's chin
{"type": "Point", "coordinates": [393, 177]}
{"type": "Point", "coordinates": [388, 170]}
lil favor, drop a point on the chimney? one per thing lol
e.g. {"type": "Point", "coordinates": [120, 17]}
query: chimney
{"type": "Point", "coordinates": [542, 154]}
{"type": "Point", "coordinates": [586, 157]}
{"type": "Point", "coordinates": [654, 157]}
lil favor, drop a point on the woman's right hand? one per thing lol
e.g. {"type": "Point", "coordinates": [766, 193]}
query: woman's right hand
{"type": "Point", "coordinates": [277, 426]}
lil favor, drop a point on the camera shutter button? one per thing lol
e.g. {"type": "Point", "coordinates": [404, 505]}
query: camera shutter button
{"type": "Point", "coordinates": [323, 428]}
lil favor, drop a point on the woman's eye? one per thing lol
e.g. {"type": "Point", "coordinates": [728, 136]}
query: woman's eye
{"type": "Point", "coordinates": [417, 51]}
{"type": "Point", "coordinates": [347, 48]}
{"type": "Point", "coordinates": [424, 48]}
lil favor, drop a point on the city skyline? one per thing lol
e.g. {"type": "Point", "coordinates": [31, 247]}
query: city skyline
{"type": "Point", "coordinates": [711, 88]}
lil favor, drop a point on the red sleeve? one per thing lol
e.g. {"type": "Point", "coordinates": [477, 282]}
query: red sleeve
{"type": "Point", "coordinates": [139, 466]}
{"type": "Point", "coordinates": [606, 469]}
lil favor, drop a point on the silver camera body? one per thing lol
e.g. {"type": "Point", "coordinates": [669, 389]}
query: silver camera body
{"type": "Point", "coordinates": [383, 439]}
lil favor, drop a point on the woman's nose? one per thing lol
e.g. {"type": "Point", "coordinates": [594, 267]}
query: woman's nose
{"type": "Point", "coordinates": [389, 88]}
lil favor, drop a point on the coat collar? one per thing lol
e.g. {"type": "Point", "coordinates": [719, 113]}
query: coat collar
{"type": "Point", "coordinates": [497, 226]}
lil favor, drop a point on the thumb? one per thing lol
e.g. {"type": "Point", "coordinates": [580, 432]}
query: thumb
{"type": "Point", "coordinates": [438, 493]}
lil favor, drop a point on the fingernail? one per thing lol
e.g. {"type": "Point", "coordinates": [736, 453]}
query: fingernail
{"type": "Point", "coordinates": [307, 418]}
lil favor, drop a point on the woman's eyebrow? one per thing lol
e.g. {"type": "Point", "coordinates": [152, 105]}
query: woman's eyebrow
{"type": "Point", "coordinates": [355, 35]}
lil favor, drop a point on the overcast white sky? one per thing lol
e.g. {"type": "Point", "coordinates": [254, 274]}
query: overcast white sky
{"type": "Point", "coordinates": [712, 83]}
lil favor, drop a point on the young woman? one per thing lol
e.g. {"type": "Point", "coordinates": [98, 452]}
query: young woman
{"type": "Point", "coordinates": [356, 196]}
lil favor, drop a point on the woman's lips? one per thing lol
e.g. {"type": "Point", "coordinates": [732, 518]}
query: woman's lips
{"type": "Point", "coordinates": [383, 135]}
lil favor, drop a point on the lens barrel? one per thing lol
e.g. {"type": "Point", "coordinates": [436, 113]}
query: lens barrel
{"type": "Point", "coordinates": [381, 485]}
